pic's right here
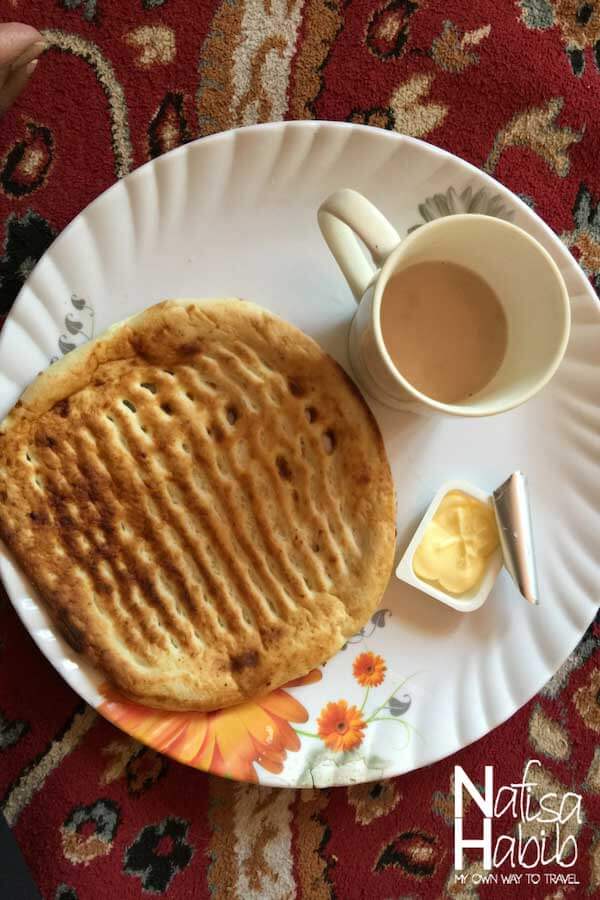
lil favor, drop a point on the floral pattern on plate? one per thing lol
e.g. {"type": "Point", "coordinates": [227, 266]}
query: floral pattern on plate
{"type": "Point", "coordinates": [451, 203]}
{"type": "Point", "coordinates": [79, 326]}
{"type": "Point", "coordinates": [342, 727]}
{"type": "Point", "coordinates": [376, 621]}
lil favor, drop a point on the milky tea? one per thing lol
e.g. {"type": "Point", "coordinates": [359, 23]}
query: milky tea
{"type": "Point", "coordinates": [444, 328]}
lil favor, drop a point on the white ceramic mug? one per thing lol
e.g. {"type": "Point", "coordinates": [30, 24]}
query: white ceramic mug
{"type": "Point", "coordinates": [523, 275]}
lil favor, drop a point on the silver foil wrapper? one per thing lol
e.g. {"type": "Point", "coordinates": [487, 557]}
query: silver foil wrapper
{"type": "Point", "coordinates": [513, 517]}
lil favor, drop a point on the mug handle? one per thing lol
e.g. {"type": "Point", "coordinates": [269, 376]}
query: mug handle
{"type": "Point", "coordinates": [341, 217]}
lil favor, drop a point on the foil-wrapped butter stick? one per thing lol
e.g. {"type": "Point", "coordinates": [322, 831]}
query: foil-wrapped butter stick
{"type": "Point", "coordinates": [513, 517]}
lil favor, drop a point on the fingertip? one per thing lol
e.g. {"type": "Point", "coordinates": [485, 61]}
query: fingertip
{"type": "Point", "coordinates": [15, 38]}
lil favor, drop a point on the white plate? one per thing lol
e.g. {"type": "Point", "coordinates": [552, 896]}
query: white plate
{"type": "Point", "coordinates": [236, 214]}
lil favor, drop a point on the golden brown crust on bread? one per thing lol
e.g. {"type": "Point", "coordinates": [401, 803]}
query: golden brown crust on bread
{"type": "Point", "coordinates": [202, 499]}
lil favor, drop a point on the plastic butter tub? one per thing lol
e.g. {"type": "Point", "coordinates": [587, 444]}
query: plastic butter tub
{"type": "Point", "coordinates": [469, 600]}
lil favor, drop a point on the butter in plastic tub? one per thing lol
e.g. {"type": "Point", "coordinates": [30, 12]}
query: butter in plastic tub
{"type": "Point", "coordinates": [455, 554]}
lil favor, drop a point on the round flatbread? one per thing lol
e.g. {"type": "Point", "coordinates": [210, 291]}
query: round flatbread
{"type": "Point", "coordinates": [202, 499]}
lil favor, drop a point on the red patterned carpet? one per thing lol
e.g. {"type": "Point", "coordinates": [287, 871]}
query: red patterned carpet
{"type": "Point", "coordinates": [513, 87]}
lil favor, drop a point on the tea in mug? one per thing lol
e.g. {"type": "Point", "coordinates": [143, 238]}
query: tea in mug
{"type": "Point", "coordinates": [444, 328]}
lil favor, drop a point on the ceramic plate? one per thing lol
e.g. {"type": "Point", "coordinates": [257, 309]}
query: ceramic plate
{"type": "Point", "coordinates": [235, 214]}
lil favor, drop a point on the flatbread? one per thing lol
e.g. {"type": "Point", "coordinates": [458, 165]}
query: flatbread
{"type": "Point", "coordinates": [203, 501]}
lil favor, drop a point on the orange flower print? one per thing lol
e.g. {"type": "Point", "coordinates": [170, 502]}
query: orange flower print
{"type": "Point", "coordinates": [341, 727]}
{"type": "Point", "coordinates": [227, 742]}
{"type": "Point", "coordinates": [369, 669]}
